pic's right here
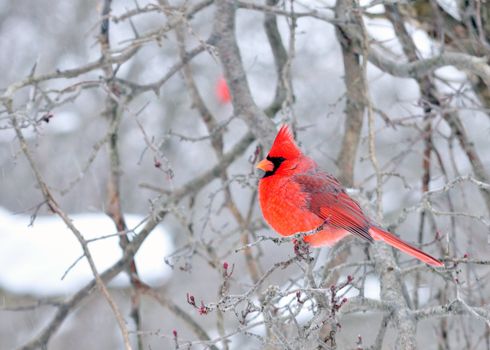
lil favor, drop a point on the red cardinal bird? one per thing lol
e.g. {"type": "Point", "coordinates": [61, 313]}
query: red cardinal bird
{"type": "Point", "coordinates": [296, 196]}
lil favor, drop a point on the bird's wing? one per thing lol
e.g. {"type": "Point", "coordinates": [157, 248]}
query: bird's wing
{"type": "Point", "coordinates": [329, 201]}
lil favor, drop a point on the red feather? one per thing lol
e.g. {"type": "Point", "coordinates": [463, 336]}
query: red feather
{"type": "Point", "coordinates": [284, 145]}
{"type": "Point", "coordinates": [394, 241]}
{"type": "Point", "coordinates": [295, 196]}
{"type": "Point", "coordinates": [328, 200]}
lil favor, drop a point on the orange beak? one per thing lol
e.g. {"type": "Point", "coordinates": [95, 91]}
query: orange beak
{"type": "Point", "coordinates": [265, 165]}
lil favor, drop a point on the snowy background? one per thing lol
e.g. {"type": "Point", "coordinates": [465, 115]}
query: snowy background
{"type": "Point", "coordinates": [34, 256]}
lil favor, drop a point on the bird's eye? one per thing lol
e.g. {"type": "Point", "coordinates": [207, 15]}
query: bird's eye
{"type": "Point", "coordinates": [275, 160]}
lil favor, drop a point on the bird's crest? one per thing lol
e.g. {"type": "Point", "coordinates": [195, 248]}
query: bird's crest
{"type": "Point", "coordinates": [284, 145]}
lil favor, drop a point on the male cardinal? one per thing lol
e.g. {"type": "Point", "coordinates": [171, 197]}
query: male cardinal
{"type": "Point", "coordinates": [296, 196]}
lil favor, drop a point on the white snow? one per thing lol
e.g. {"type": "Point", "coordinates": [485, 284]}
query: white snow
{"type": "Point", "coordinates": [34, 259]}
{"type": "Point", "coordinates": [451, 7]}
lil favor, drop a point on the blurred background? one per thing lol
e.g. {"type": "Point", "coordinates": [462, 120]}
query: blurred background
{"type": "Point", "coordinates": [103, 94]}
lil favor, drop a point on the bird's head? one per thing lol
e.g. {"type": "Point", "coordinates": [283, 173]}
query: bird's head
{"type": "Point", "coordinates": [283, 156]}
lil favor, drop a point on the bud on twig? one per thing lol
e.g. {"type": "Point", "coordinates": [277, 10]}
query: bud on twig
{"type": "Point", "coordinates": [157, 163]}
{"type": "Point", "coordinates": [203, 309]}
{"type": "Point", "coordinates": [174, 332]}
{"type": "Point", "coordinates": [298, 297]}
{"type": "Point", "coordinates": [191, 300]}
{"type": "Point", "coordinates": [226, 271]}
{"type": "Point", "coordinates": [47, 117]}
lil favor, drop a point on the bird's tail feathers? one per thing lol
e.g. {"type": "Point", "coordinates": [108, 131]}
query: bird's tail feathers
{"type": "Point", "coordinates": [394, 241]}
